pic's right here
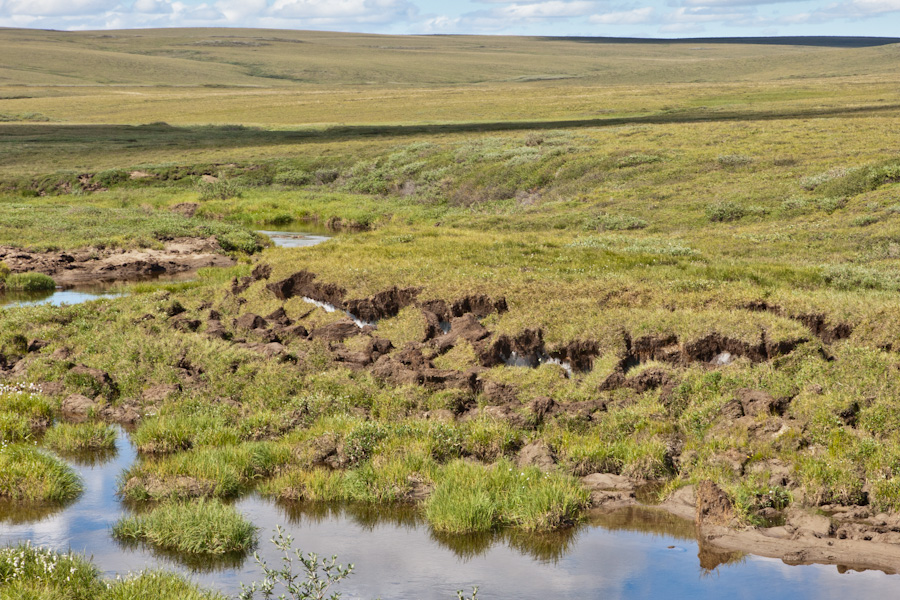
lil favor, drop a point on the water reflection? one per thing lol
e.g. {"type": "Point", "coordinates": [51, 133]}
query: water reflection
{"type": "Point", "coordinates": [304, 236]}
{"type": "Point", "coordinates": [85, 292]}
{"type": "Point", "coordinates": [633, 553]}
{"type": "Point", "coordinates": [59, 297]}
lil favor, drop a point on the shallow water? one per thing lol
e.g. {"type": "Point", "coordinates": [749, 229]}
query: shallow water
{"type": "Point", "coordinates": [629, 554]}
{"type": "Point", "coordinates": [303, 236]}
{"type": "Point", "coordinates": [59, 297]}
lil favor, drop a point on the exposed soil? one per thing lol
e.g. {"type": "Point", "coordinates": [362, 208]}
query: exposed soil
{"type": "Point", "coordinates": [103, 265]}
{"type": "Point", "coordinates": [818, 323]}
{"type": "Point", "coordinates": [849, 537]}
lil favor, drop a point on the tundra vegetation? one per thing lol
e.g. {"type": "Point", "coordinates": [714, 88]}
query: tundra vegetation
{"type": "Point", "coordinates": [674, 271]}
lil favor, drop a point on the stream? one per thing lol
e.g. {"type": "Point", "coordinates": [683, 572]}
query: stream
{"type": "Point", "coordinates": [634, 553]}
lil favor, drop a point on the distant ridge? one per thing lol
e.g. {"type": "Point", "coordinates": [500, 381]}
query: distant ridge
{"type": "Point", "coordinates": [822, 41]}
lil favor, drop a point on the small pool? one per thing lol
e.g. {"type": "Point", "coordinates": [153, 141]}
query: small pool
{"type": "Point", "coordinates": [302, 237]}
{"type": "Point", "coordinates": [634, 553]}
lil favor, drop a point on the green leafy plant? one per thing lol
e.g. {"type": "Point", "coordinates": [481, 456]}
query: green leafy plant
{"type": "Point", "coordinates": [309, 580]}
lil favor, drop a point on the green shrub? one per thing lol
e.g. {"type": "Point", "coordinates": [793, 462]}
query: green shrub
{"type": "Point", "coordinates": [633, 160]}
{"type": "Point", "coordinates": [733, 160]}
{"type": "Point", "coordinates": [326, 176]}
{"type": "Point", "coordinates": [219, 190]}
{"type": "Point", "coordinates": [864, 220]}
{"type": "Point", "coordinates": [203, 526]}
{"type": "Point", "coordinates": [831, 204]}
{"type": "Point", "coordinates": [723, 212]}
{"type": "Point", "coordinates": [4, 271]}
{"type": "Point", "coordinates": [294, 177]}
{"type": "Point", "coordinates": [310, 579]}
{"type": "Point", "coordinates": [607, 222]}
{"type": "Point", "coordinates": [850, 277]}
{"type": "Point", "coordinates": [811, 182]}
{"type": "Point", "coordinates": [30, 282]}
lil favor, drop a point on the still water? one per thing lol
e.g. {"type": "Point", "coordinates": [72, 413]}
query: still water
{"type": "Point", "coordinates": [301, 238]}
{"type": "Point", "coordinates": [630, 554]}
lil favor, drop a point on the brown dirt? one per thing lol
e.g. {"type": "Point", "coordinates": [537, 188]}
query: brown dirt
{"type": "Point", "coordinates": [537, 454]}
{"type": "Point", "coordinates": [848, 536]}
{"type": "Point", "coordinates": [185, 209]}
{"type": "Point", "coordinates": [383, 305]}
{"type": "Point", "coordinates": [301, 284]}
{"type": "Point", "coordinates": [177, 487]}
{"type": "Point", "coordinates": [818, 323]}
{"type": "Point", "coordinates": [99, 265]}
{"type": "Point", "coordinates": [714, 507]}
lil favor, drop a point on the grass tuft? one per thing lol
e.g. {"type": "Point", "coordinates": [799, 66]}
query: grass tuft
{"type": "Point", "coordinates": [208, 527]}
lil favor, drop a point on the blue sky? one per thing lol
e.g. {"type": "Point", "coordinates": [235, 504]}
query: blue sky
{"type": "Point", "coordinates": [656, 18]}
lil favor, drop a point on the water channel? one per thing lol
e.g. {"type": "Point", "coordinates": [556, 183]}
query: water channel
{"type": "Point", "coordinates": [629, 554]}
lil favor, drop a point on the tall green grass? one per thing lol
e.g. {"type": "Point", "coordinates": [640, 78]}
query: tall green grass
{"type": "Point", "coordinates": [78, 437]}
{"type": "Point", "coordinates": [200, 527]}
{"type": "Point", "coordinates": [29, 282]}
{"type": "Point", "coordinates": [29, 474]}
{"type": "Point", "coordinates": [469, 498]}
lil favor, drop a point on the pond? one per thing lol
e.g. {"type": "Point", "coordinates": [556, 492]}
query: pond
{"type": "Point", "coordinates": [635, 553]}
{"type": "Point", "coordinates": [81, 293]}
{"type": "Point", "coordinates": [303, 237]}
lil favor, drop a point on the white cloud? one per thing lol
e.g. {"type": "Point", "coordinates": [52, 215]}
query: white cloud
{"type": "Point", "coordinates": [733, 2]}
{"type": "Point", "coordinates": [237, 10]}
{"type": "Point", "coordinates": [55, 8]}
{"type": "Point", "coordinates": [368, 11]}
{"type": "Point", "coordinates": [862, 8]}
{"type": "Point", "coordinates": [554, 9]}
{"type": "Point", "coordinates": [627, 17]}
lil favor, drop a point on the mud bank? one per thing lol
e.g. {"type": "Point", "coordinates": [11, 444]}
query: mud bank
{"type": "Point", "coordinates": [852, 538]}
{"type": "Point", "coordinates": [69, 268]}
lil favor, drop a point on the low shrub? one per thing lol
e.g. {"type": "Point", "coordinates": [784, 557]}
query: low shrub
{"type": "Point", "coordinates": [219, 190]}
{"type": "Point", "coordinates": [723, 212]}
{"type": "Point", "coordinates": [733, 160]}
{"type": "Point", "coordinates": [294, 177]}
{"type": "Point", "coordinates": [607, 222]}
{"type": "Point", "coordinates": [634, 160]}
{"type": "Point", "coordinates": [864, 220]}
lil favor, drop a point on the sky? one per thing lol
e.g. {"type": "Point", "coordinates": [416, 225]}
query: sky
{"type": "Point", "coordinates": [650, 18]}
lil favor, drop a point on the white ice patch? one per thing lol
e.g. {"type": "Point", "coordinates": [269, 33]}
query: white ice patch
{"type": "Point", "coordinates": [516, 360]}
{"type": "Point", "coordinates": [330, 308]}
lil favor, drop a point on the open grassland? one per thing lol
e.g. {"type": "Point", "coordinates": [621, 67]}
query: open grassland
{"type": "Point", "coordinates": [707, 239]}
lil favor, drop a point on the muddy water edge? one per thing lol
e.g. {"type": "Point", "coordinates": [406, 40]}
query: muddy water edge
{"type": "Point", "coordinates": [297, 237]}
{"type": "Point", "coordinates": [634, 552]}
